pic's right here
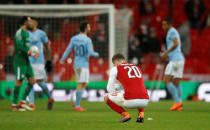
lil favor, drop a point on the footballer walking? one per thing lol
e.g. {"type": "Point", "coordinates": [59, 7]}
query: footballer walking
{"type": "Point", "coordinates": [134, 93]}
{"type": "Point", "coordinates": [175, 67]}
{"type": "Point", "coordinates": [22, 66]}
{"type": "Point", "coordinates": [39, 39]}
{"type": "Point", "coordinates": [83, 48]}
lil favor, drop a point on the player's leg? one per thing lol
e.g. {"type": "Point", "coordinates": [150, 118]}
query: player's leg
{"type": "Point", "coordinates": [18, 84]}
{"type": "Point", "coordinates": [31, 82]}
{"type": "Point", "coordinates": [28, 88]}
{"type": "Point", "coordinates": [43, 85]}
{"type": "Point", "coordinates": [140, 104]}
{"type": "Point", "coordinates": [40, 75]}
{"type": "Point", "coordinates": [113, 105]}
{"type": "Point", "coordinates": [85, 85]}
{"type": "Point", "coordinates": [111, 100]}
{"type": "Point", "coordinates": [178, 73]}
{"type": "Point", "coordinates": [31, 99]}
{"type": "Point", "coordinates": [168, 80]}
{"type": "Point", "coordinates": [171, 88]}
{"type": "Point", "coordinates": [140, 118]}
{"type": "Point", "coordinates": [82, 79]}
{"type": "Point", "coordinates": [176, 82]}
{"type": "Point", "coordinates": [79, 92]}
{"type": "Point", "coordinates": [31, 93]}
{"type": "Point", "coordinates": [19, 74]}
{"type": "Point", "coordinates": [45, 90]}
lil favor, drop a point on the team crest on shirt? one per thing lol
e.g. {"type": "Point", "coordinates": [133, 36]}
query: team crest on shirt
{"type": "Point", "coordinates": [35, 38]}
{"type": "Point", "coordinates": [22, 75]}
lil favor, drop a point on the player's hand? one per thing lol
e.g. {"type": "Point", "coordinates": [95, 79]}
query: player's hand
{"type": "Point", "coordinates": [97, 54]}
{"type": "Point", "coordinates": [29, 53]}
{"type": "Point", "coordinates": [61, 62]}
{"type": "Point", "coordinates": [33, 54]}
{"type": "Point", "coordinates": [36, 56]}
{"type": "Point", "coordinates": [164, 55]}
{"type": "Point", "coordinates": [49, 66]}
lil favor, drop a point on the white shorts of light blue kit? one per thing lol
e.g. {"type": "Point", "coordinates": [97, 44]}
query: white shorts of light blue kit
{"type": "Point", "coordinates": [82, 75]}
{"type": "Point", "coordinates": [175, 69]}
{"type": "Point", "coordinates": [39, 71]}
{"type": "Point", "coordinates": [118, 98]}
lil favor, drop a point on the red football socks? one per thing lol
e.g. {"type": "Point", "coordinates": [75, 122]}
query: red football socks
{"type": "Point", "coordinates": [115, 107]}
{"type": "Point", "coordinates": [141, 110]}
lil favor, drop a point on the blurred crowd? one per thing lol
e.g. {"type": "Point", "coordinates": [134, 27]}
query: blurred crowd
{"type": "Point", "coordinates": [145, 39]}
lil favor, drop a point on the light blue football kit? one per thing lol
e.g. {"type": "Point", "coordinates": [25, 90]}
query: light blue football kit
{"type": "Point", "coordinates": [83, 48]}
{"type": "Point", "coordinates": [176, 54]}
{"type": "Point", "coordinates": [38, 38]}
{"type": "Point", "coordinates": [175, 66]}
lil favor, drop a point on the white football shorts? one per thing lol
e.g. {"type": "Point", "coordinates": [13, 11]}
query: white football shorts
{"type": "Point", "coordinates": [118, 98]}
{"type": "Point", "coordinates": [82, 75]}
{"type": "Point", "coordinates": [175, 69]}
{"type": "Point", "coordinates": [39, 71]}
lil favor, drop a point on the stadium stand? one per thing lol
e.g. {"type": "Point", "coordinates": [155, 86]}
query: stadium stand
{"type": "Point", "coordinates": [196, 62]}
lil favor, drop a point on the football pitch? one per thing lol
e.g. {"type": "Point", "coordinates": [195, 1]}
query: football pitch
{"type": "Point", "coordinates": [195, 116]}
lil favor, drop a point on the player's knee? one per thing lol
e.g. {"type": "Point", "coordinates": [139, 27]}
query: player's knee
{"type": "Point", "coordinates": [79, 86]}
{"type": "Point", "coordinates": [166, 81]}
{"type": "Point", "coordinates": [176, 82]}
{"type": "Point", "coordinates": [18, 83]}
{"type": "Point", "coordinates": [85, 85]}
{"type": "Point", "coordinates": [32, 81]}
{"type": "Point", "coordinates": [106, 97]}
{"type": "Point", "coordinates": [39, 81]}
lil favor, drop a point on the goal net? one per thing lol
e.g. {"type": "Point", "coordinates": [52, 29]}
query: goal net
{"type": "Point", "coordinates": [60, 22]}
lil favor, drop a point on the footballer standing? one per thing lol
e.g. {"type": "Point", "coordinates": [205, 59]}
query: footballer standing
{"type": "Point", "coordinates": [22, 66]}
{"type": "Point", "coordinates": [175, 67]}
{"type": "Point", "coordinates": [83, 48]}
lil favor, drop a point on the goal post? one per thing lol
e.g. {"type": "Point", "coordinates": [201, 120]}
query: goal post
{"type": "Point", "coordinates": [55, 19]}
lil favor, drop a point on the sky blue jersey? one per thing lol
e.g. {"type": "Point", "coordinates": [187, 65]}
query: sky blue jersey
{"type": "Point", "coordinates": [83, 48]}
{"type": "Point", "coordinates": [176, 54]}
{"type": "Point", "coordinates": [38, 38]}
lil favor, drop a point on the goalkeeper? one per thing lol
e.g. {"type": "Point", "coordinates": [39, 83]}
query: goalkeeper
{"type": "Point", "coordinates": [22, 65]}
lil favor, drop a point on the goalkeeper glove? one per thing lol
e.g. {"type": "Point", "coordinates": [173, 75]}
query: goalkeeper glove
{"type": "Point", "coordinates": [49, 66]}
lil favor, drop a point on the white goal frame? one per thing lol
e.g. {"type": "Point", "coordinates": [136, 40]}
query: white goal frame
{"type": "Point", "coordinates": [109, 7]}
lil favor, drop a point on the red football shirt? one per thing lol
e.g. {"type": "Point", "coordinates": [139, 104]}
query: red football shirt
{"type": "Point", "coordinates": [132, 80]}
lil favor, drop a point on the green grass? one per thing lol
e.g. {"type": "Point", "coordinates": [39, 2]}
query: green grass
{"type": "Point", "coordinates": [195, 116]}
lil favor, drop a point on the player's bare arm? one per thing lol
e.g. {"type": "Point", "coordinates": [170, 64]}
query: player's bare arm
{"type": "Point", "coordinates": [67, 51]}
{"type": "Point", "coordinates": [47, 50]}
{"type": "Point", "coordinates": [175, 44]}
